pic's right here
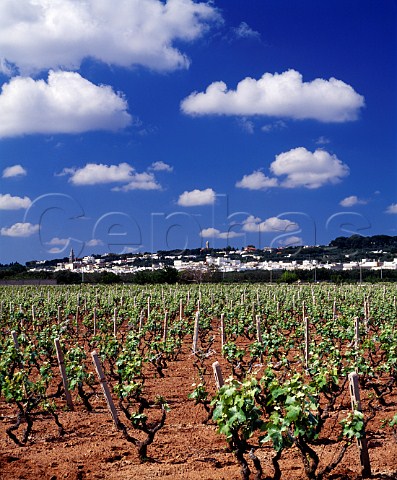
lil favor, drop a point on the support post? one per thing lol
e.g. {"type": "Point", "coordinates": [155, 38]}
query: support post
{"type": "Point", "coordinates": [105, 389]}
{"type": "Point", "coordinates": [15, 339]}
{"type": "Point", "coordinates": [140, 321]}
{"type": "Point", "coordinates": [258, 329]}
{"type": "Point", "coordinates": [165, 329]}
{"type": "Point", "coordinates": [62, 371]}
{"type": "Point", "coordinates": [196, 332]}
{"type": "Point", "coordinates": [361, 442]}
{"type": "Point", "coordinates": [223, 333]}
{"type": "Point", "coordinates": [356, 332]}
{"type": "Point", "coordinates": [307, 342]}
{"type": "Point", "coordinates": [218, 375]}
{"type": "Point", "coordinates": [77, 320]}
{"type": "Point", "coordinates": [115, 323]}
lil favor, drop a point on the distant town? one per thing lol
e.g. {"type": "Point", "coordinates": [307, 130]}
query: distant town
{"type": "Point", "coordinates": [355, 254]}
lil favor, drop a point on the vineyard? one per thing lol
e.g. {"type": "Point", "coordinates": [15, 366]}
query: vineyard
{"type": "Point", "coordinates": [198, 382]}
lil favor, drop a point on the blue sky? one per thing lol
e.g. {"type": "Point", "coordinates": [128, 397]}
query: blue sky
{"type": "Point", "coordinates": [163, 125]}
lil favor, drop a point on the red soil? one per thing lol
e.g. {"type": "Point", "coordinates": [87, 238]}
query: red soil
{"type": "Point", "coordinates": [185, 448]}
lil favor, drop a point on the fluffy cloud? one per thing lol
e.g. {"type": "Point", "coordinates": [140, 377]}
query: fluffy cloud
{"type": "Point", "coordinates": [215, 233]}
{"type": "Point", "coordinates": [58, 241]}
{"type": "Point", "coordinates": [392, 208]}
{"type": "Point", "coordinates": [61, 242]}
{"type": "Point", "coordinates": [94, 174]}
{"type": "Point", "coordinates": [140, 181]}
{"type": "Point", "coordinates": [161, 167]}
{"type": "Point", "coordinates": [245, 31]}
{"type": "Point", "coordinates": [20, 230]}
{"type": "Point", "coordinates": [94, 242]}
{"type": "Point", "coordinates": [279, 95]}
{"type": "Point", "coordinates": [7, 202]}
{"type": "Point", "coordinates": [37, 35]}
{"type": "Point", "coordinates": [308, 169]}
{"type": "Point", "coordinates": [14, 171]}
{"type": "Point", "coordinates": [291, 241]}
{"type": "Point", "coordinates": [301, 168]}
{"type": "Point", "coordinates": [351, 201]}
{"type": "Point", "coordinates": [273, 224]}
{"type": "Point", "coordinates": [257, 181]}
{"type": "Point", "coordinates": [97, 174]}
{"type": "Point", "coordinates": [197, 198]}
{"type": "Point", "coordinates": [66, 103]}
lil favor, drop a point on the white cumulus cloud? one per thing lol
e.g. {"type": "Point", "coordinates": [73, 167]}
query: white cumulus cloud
{"type": "Point", "coordinates": [215, 233]}
{"type": "Point", "coordinates": [303, 168]}
{"type": "Point", "coordinates": [20, 230]}
{"type": "Point", "coordinates": [257, 181]}
{"type": "Point", "coordinates": [293, 240]}
{"type": "Point", "coordinates": [273, 224]}
{"type": "Point", "coordinates": [392, 208]}
{"type": "Point", "coordinates": [8, 202]}
{"type": "Point", "coordinates": [58, 241]}
{"type": "Point", "coordinates": [65, 103]}
{"type": "Point", "coordinates": [245, 31]}
{"type": "Point", "coordinates": [197, 198]}
{"type": "Point", "coordinates": [37, 35]}
{"type": "Point", "coordinates": [94, 174]}
{"type": "Point", "coordinates": [298, 168]}
{"type": "Point", "coordinates": [94, 242]}
{"type": "Point", "coordinates": [100, 174]}
{"type": "Point", "coordinates": [14, 171]}
{"type": "Point", "coordinates": [161, 166]}
{"type": "Point", "coordinates": [279, 95]}
{"type": "Point", "coordinates": [140, 181]}
{"type": "Point", "coordinates": [351, 201]}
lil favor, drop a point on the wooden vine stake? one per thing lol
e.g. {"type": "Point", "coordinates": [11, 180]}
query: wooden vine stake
{"type": "Point", "coordinates": [140, 321]}
{"type": "Point", "coordinates": [59, 314]}
{"type": "Point", "coordinates": [94, 321]}
{"type": "Point", "coordinates": [15, 339]}
{"type": "Point", "coordinates": [105, 389]}
{"type": "Point", "coordinates": [115, 323]}
{"type": "Point", "coordinates": [218, 375]}
{"type": "Point", "coordinates": [61, 364]}
{"type": "Point", "coordinates": [356, 332]}
{"type": "Point", "coordinates": [361, 442]}
{"type": "Point", "coordinates": [165, 328]}
{"type": "Point", "coordinates": [196, 331]}
{"type": "Point", "coordinates": [307, 342]}
{"type": "Point", "coordinates": [223, 333]}
{"type": "Point", "coordinates": [258, 329]}
{"type": "Point", "coordinates": [180, 309]}
{"type": "Point", "coordinates": [77, 320]}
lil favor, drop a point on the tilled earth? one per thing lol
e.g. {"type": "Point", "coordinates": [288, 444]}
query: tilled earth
{"type": "Point", "coordinates": [185, 448]}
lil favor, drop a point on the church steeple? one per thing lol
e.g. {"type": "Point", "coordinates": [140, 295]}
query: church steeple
{"type": "Point", "coordinates": [72, 258]}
